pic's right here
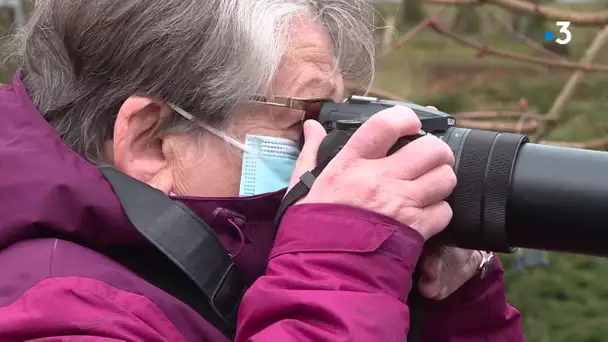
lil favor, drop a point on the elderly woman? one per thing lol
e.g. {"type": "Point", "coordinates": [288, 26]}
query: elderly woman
{"type": "Point", "coordinates": [161, 90]}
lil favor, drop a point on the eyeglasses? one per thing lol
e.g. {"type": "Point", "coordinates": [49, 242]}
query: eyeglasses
{"type": "Point", "coordinates": [309, 106]}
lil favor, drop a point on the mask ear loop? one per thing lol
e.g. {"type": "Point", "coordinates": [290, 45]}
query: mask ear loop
{"type": "Point", "coordinates": [212, 130]}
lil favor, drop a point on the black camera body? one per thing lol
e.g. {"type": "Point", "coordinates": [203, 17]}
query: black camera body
{"type": "Point", "coordinates": [362, 108]}
{"type": "Point", "coordinates": [350, 115]}
{"type": "Point", "coordinates": [510, 193]}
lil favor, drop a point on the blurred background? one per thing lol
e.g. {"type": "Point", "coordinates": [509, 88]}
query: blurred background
{"type": "Point", "coordinates": [494, 66]}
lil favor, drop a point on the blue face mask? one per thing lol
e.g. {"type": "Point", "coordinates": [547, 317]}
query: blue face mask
{"type": "Point", "coordinates": [268, 162]}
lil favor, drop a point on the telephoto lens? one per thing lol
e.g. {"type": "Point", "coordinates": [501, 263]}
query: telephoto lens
{"type": "Point", "coordinates": [510, 192]}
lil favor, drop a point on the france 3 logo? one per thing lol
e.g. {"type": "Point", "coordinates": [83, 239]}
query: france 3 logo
{"type": "Point", "coordinates": [563, 37]}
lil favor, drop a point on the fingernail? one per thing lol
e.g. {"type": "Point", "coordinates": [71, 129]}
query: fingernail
{"type": "Point", "coordinates": [306, 128]}
{"type": "Point", "coordinates": [435, 290]}
{"type": "Point", "coordinates": [443, 293]}
{"type": "Point", "coordinates": [440, 265]}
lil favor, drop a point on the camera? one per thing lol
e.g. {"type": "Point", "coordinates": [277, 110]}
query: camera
{"type": "Point", "coordinates": [510, 192]}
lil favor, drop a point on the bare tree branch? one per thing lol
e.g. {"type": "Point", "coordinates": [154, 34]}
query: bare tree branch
{"type": "Point", "coordinates": [413, 32]}
{"type": "Point", "coordinates": [528, 127]}
{"type": "Point", "coordinates": [546, 12]}
{"type": "Point", "coordinates": [486, 50]}
{"type": "Point", "coordinates": [477, 115]}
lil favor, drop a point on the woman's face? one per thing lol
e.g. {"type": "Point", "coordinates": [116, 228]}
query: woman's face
{"type": "Point", "coordinates": [206, 166]}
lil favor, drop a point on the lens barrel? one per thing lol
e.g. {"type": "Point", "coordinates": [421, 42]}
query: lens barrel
{"type": "Point", "coordinates": [512, 193]}
{"type": "Point", "coordinates": [559, 200]}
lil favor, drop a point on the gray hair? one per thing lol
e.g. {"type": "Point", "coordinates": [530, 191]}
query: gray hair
{"type": "Point", "coordinates": [84, 58]}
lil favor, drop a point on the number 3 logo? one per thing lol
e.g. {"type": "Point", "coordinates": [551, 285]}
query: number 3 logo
{"type": "Point", "coordinates": [563, 28]}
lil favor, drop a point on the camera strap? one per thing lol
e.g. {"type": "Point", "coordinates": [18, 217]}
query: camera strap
{"type": "Point", "coordinates": [328, 149]}
{"type": "Point", "coordinates": [208, 282]}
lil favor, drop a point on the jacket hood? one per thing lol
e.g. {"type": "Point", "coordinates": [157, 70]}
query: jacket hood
{"type": "Point", "coordinates": [48, 189]}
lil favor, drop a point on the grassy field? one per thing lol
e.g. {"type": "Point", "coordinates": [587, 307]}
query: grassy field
{"type": "Point", "coordinates": [568, 301]}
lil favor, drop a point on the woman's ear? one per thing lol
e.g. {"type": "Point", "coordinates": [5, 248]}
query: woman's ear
{"type": "Point", "coordinates": [137, 150]}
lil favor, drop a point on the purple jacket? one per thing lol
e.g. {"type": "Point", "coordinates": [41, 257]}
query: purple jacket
{"type": "Point", "coordinates": [334, 273]}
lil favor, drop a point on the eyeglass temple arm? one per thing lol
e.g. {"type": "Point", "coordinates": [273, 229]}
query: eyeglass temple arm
{"type": "Point", "coordinates": [288, 102]}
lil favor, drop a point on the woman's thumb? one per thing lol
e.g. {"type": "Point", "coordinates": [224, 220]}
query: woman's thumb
{"type": "Point", "coordinates": [314, 133]}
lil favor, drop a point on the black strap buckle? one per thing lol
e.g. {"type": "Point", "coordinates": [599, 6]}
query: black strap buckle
{"type": "Point", "coordinates": [226, 297]}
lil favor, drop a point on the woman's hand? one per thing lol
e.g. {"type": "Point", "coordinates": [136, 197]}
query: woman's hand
{"type": "Point", "coordinates": [410, 185]}
{"type": "Point", "coordinates": [446, 269]}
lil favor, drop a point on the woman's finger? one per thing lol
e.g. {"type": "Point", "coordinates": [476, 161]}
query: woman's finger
{"type": "Point", "coordinates": [459, 277]}
{"type": "Point", "coordinates": [418, 157]}
{"type": "Point", "coordinates": [314, 133]}
{"type": "Point", "coordinates": [446, 272]}
{"type": "Point", "coordinates": [430, 283]}
{"type": "Point", "coordinates": [432, 187]}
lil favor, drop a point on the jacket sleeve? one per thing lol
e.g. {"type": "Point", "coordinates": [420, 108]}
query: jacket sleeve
{"type": "Point", "coordinates": [477, 312]}
{"type": "Point", "coordinates": [83, 309]}
{"type": "Point", "coordinates": [336, 273]}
